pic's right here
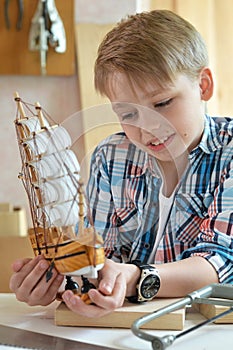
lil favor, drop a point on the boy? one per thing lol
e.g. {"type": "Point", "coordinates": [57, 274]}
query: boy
{"type": "Point", "coordinates": [161, 193]}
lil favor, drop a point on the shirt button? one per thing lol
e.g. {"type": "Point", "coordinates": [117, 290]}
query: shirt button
{"type": "Point", "coordinates": [118, 221]}
{"type": "Point", "coordinates": [147, 245]}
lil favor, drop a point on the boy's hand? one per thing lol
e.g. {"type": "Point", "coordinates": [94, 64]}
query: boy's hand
{"type": "Point", "coordinates": [28, 281]}
{"type": "Point", "coordinates": [114, 281]}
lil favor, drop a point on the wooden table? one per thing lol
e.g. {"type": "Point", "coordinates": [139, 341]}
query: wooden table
{"type": "Point", "coordinates": [41, 319]}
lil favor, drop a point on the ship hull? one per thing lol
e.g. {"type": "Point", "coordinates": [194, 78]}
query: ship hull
{"type": "Point", "coordinates": [79, 255]}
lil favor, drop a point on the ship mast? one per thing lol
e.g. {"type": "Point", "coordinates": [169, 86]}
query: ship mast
{"type": "Point", "coordinates": [81, 208]}
{"type": "Point", "coordinates": [50, 174]}
{"type": "Point", "coordinates": [40, 115]}
{"type": "Point", "coordinates": [20, 106]}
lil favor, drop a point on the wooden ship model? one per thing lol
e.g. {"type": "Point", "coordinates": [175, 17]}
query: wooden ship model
{"type": "Point", "coordinates": [51, 177]}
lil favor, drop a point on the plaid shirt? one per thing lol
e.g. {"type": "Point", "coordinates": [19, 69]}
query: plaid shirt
{"type": "Point", "coordinates": [123, 192]}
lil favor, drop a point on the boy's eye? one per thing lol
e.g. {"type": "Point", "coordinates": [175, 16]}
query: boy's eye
{"type": "Point", "coordinates": [163, 103]}
{"type": "Point", "coordinates": [128, 115]}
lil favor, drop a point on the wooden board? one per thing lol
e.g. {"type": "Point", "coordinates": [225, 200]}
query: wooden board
{"type": "Point", "coordinates": [98, 118]}
{"type": "Point", "coordinates": [17, 59]}
{"type": "Point", "coordinates": [209, 311]}
{"type": "Point", "coordinates": [124, 316]}
{"type": "Point", "coordinates": [88, 36]}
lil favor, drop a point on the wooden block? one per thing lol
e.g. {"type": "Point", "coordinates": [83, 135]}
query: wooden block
{"type": "Point", "coordinates": [12, 248]}
{"type": "Point", "coordinates": [209, 311]}
{"type": "Point", "coordinates": [6, 207]}
{"type": "Point", "coordinates": [13, 221]}
{"type": "Point", "coordinates": [124, 316]}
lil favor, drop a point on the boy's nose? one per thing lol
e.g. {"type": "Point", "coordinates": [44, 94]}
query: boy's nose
{"type": "Point", "coordinates": [146, 135]}
{"type": "Point", "coordinates": [149, 119]}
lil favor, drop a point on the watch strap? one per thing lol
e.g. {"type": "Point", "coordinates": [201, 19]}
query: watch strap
{"type": "Point", "coordinates": [134, 299]}
{"type": "Point", "coordinates": [141, 266]}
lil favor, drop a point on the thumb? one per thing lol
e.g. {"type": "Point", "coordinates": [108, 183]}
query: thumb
{"type": "Point", "coordinates": [107, 278]}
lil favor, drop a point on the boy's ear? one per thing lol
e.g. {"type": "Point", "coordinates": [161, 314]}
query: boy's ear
{"type": "Point", "coordinates": [206, 84]}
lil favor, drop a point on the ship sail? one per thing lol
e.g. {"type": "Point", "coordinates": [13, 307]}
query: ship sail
{"type": "Point", "coordinates": [51, 176]}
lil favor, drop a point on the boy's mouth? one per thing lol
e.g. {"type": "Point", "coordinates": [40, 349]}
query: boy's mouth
{"type": "Point", "coordinates": [161, 143]}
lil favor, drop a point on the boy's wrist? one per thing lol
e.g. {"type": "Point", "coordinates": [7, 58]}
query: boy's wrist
{"type": "Point", "coordinates": [132, 274]}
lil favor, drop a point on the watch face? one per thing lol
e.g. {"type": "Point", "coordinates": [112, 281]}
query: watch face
{"type": "Point", "coordinates": [150, 286]}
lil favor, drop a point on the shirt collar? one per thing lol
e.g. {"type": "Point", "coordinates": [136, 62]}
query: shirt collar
{"type": "Point", "coordinates": [211, 139]}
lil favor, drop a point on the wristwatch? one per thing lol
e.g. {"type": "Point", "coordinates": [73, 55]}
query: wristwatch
{"type": "Point", "coordinates": [148, 284]}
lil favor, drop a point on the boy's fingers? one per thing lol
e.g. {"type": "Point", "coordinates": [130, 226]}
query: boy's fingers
{"type": "Point", "coordinates": [77, 305]}
{"type": "Point", "coordinates": [30, 285]}
{"type": "Point", "coordinates": [113, 301]}
{"type": "Point", "coordinates": [27, 269]}
{"type": "Point", "coordinates": [103, 304]}
{"type": "Point", "coordinates": [45, 292]}
{"type": "Point", "coordinates": [19, 263]}
{"type": "Point", "coordinates": [107, 278]}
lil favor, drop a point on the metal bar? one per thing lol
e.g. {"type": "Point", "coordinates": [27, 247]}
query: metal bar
{"type": "Point", "coordinates": [151, 316]}
{"type": "Point", "coordinates": [210, 320]}
{"type": "Point", "coordinates": [160, 343]}
{"type": "Point", "coordinates": [220, 302]}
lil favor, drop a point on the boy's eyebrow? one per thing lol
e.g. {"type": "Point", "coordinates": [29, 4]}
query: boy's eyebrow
{"type": "Point", "coordinates": [148, 94]}
{"type": "Point", "coordinates": [154, 93]}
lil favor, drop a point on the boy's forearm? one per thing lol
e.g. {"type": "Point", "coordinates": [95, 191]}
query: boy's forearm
{"type": "Point", "coordinates": [184, 276]}
{"type": "Point", "coordinates": [177, 278]}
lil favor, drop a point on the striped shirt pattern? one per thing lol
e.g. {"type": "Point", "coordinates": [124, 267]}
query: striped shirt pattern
{"type": "Point", "coordinates": [123, 192]}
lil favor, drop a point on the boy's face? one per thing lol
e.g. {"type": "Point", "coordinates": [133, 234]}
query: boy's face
{"type": "Point", "coordinates": [163, 122]}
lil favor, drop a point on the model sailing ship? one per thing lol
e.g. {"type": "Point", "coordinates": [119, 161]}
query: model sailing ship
{"type": "Point", "coordinates": [51, 177]}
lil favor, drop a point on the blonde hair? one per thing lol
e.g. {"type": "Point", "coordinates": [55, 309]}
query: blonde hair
{"type": "Point", "coordinates": [154, 45]}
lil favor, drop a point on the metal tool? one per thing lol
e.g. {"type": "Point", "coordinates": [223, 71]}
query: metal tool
{"type": "Point", "coordinates": [20, 338]}
{"type": "Point", "coordinates": [201, 296]}
{"type": "Point", "coordinates": [20, 14]}
{"type": "Point", "coordinates": [46, 30]}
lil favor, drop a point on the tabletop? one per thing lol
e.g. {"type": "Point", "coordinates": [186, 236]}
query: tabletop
{"type": "Point", "coordinates": [41, 320]}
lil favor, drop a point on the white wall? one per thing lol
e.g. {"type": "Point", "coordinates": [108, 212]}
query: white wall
{"type": "Point", "coordinates": [103, 11]}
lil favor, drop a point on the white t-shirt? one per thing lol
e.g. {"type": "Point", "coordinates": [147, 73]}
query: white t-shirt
{"type": "Point", "coordinates": [165, 204]}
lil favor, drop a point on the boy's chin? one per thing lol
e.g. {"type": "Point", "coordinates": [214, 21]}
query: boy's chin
{"type": "Point", "coordinates": [174, 157]}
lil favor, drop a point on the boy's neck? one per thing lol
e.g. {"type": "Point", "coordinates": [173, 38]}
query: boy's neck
{"type": "Point", "coordinates": [171, 173]}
